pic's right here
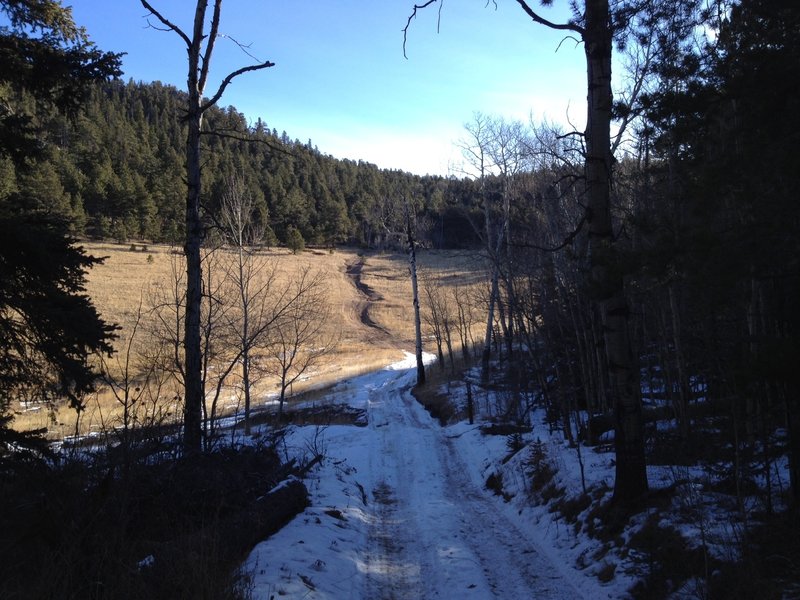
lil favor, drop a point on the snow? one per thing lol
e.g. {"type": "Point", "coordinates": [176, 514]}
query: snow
{"type": "Point", "coordinates": [399, 509]}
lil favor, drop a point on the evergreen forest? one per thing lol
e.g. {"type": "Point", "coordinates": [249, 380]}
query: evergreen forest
{"type": "Point", "coordinates": [116, 171]}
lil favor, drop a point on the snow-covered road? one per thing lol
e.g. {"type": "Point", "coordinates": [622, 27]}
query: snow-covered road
{"type": "Point", "coordinates": [398, 512]}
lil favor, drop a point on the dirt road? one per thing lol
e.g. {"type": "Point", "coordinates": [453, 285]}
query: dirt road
{"type": "Point", "coordinates": [433, 534]}
{"type": "Point", "coordinates": [397, 513]}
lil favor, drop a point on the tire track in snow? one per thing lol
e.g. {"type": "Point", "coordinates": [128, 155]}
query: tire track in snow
{"type": "Point", "coordinates": [511, 564]}
{"type": "Point", "coordinates": [391, 573]}
{"type": "Point", "coordinates": [434, 534]}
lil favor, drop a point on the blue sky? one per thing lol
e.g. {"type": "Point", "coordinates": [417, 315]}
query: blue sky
{"type": "Point", "coordinates": [341, 79]}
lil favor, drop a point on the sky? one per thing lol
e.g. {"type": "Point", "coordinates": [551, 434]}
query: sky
{"type": "Point", "coordinates": [340, 78]}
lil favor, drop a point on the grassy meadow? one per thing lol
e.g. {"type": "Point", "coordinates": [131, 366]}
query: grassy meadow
{"type": "Point", "coordinates": [133, 277]}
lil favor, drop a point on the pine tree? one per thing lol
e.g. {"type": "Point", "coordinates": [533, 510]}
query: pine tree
{"type": "Point", "coordinates": [48, 326]}
{"type": "Point", "coordinates": [294, 240]}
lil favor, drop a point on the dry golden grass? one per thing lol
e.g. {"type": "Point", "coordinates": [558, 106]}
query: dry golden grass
{"type": "Point", "coordinates": [129, 278]}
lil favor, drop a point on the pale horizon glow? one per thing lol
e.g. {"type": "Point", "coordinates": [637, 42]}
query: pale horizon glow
{"type": "Point", "coordinates": [341, 80]}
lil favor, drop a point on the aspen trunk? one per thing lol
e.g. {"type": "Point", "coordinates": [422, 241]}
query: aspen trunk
{"type": "Point", "coordinates": [412, 259]}
{"type": "Point", "coordinates": [244, 298]}
{"type": "Point", "coordinates": [605, 277]}
{"type": "Point", "coordinates": [193, 403]}
{"type": "Point", "coordinates": [487, 340]}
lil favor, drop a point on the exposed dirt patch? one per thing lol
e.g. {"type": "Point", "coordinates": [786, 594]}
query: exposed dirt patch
{"type": "Point", "coordinates": [368, 294]}
{"type": "Point", "coordinates": [383, 494]}
{"type": "Point", "coordinates": [354, 271]}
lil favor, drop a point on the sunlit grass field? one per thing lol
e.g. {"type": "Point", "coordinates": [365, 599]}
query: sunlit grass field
{"type": "Point", "coordinates": [132, 275]}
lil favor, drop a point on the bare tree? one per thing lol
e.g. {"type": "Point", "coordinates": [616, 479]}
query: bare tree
{"type": "Point", "coordinates": [439, 318]}
{"type": "Point", "coordinates": [167, 309]}
{"type": "Point", "coordinates": [412, 267]}
{"type": "Point", "coordinates": [507, 150]}
{"type": "Point", "coordinates": [432, 316]}
{"type": "Point", "coordinates": [595, 26]}
{"type": "Point", "coordinates": [465, 319]}
{"type": "Point", "coordinates": [475, 149]}
{"type": "Point", "coordinates": [299, 336]}
{"type": "Point", "coordinates": [200, 45]}
{"type": "Point", "coordinates": [136, 381]}
{"type": "Point", "coordinates": [251, 280]}
{"type": "Point", "coordinates": [219, 352]}
{"type": "Point", "coordinates": [218, 360]}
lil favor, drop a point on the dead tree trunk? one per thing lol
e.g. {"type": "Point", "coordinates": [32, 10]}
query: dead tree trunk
{"type": "Point", "coordinates": [193, 402]}
{"type": "Point", "coordinates": [412, 260]}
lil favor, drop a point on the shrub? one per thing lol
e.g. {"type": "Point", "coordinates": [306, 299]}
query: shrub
{"type": "Point", "coordinates": [157, 528]}
{"type": "Point", "coordinates": [666, 559]}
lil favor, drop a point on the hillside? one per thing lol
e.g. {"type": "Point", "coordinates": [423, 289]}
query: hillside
{"type": "Point", "coordinates": [116, 171]}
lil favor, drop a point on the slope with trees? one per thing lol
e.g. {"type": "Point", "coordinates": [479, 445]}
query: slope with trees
{"type": "Point", "coordinates": [118, 169]}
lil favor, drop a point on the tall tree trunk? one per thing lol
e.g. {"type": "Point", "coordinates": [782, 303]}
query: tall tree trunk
{"type": "Point", "coordinates": [244, 298]}
{"type": "Point", "coordinates": [246, 388]}
{"type": "Point", "coordinates": [412, 259]}
{"type": "Point", "coordinates": [684, 391]}
{"type": "Point", "coordinates": [192, 421]}
{"type": "Point", "coordinates": [199, 62]}
{"type": "Point", "coordinates": [487, 340]}
{"type": "Point", "coordinates": [605, 276]}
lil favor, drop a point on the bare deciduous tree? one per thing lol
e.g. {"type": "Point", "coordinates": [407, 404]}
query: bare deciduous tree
{"type": "Point", "coordinates": [135, 379]}
{"type": "Point", "coordinates": [439, 318]}
{"type": "Point", "coordinates": [595, 27]}
{"type": "Point", "coordinates": [200, 44]}
{"type": "Point", "coordinates": [251, 280]}
{"type": "Point", "coordinates": [412, 267]}
{"type": "Point", "coordinates": [299, 337]}
{"type": "Point", "coordinates": [465, 319]}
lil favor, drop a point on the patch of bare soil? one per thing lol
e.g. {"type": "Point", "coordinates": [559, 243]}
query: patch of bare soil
{"type": "Point", "coordinates": [368, 295]}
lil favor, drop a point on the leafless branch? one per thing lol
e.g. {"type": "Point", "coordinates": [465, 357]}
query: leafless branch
{"type": "Point", "coordinates": [640, 68]}
{"type": "Point", "coordinates": [242, 46]}
{"type": "Point", "coordinates": [241, 136]}
{"type": "Point", "coordinates": [212, 39]}
{"type": "Point", "coordinates": [231, 76]}
{"type": "Point", "coordinates": [568, 37]}
{"type": "Point", "coordinates": [156, 27]}
{"type": "Point", "coordinates": [567, 240]}
{"type": "Point", "coordinates": [413, 15]}
{"type": "Point", "coordinates": [537, 18]}
{"type": "Point", "coordinates": [167, 23]}
{"type": "Point", "coordinates": [569, 134]}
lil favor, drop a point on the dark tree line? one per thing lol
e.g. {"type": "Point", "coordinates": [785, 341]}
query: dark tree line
{"type": "Point", "coordinates": [48, 326]}
{"type": "Point", "coordinates": [116, 171]}
{"type": "Point", "coordinates": [72, 511]}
